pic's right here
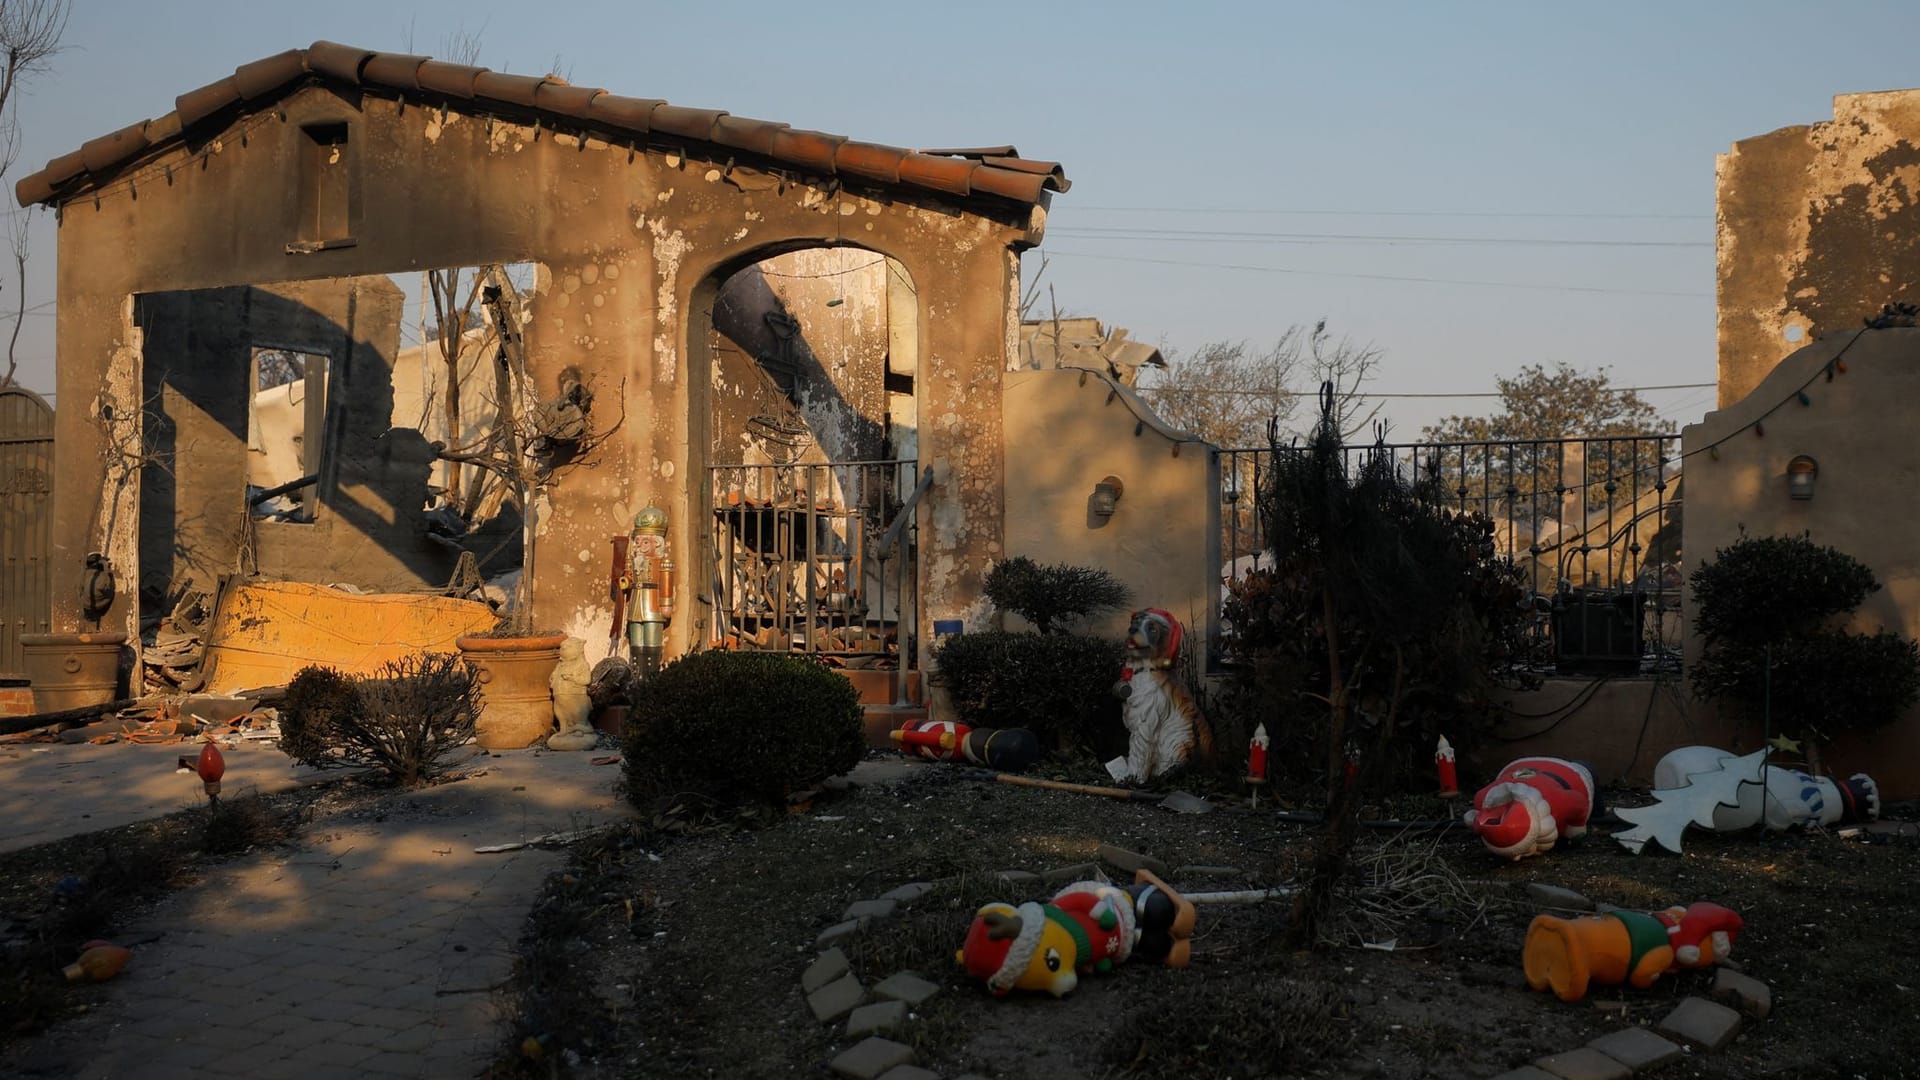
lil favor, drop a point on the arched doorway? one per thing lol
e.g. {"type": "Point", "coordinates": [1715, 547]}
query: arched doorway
{"type": "Point", "coordinates": [812, 431]}
{"type": "Point", "coordinates": [26, 523]}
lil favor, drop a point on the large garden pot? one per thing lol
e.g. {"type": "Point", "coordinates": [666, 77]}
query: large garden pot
{"type": "Point", "coordinates": [73, 671]}
{"type": "Point", "coordinates": [516, 705]}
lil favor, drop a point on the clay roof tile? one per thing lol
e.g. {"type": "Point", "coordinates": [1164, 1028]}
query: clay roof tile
{"type": "Point", "coordinates": [1009, 183]}
{"type": "Point", "coordinates": [632, 114]}
{"type": "Point", "coordinates": [337, 61]}
{"type": "Point", "coordinates": [512, 89]}
{"type": "Point", "coordinates": [395, 70]}
{"type": "Point", "coordinates": [992, 170]}
{"type": "Point", "coordinates": [33, 188]}
{"type": "Point", "coordinates": [951, 175]}
{"type": "Point", "coordinates": [740, 133]}
{"type": "Point", "coordinates": [686, 123]}
{"type": "Point", "coordinates": [806, 149]}
{"type": "Point", "coordinates": [196, 105]}
{"type": "Point", "coordinates": [574, 101]}
{"type": "Point", "coordinates": [870, 161]}
{"type": "Point", "coordinates": [107, 151]}
{"type": "Point", "coordinates": [453, 80]}
{"type": "Point", "coordinates": [263, 77]}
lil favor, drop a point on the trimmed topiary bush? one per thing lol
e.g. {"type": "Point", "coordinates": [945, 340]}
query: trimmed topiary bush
{"type": "Point", "coordinates": [741, 727]}
{"type": "Point", "coordinates": [1051, 596]}
{"type": "Point", "coordinates": [1060, 686]}
{"type": "Point", "coordinates": [1777, 598]}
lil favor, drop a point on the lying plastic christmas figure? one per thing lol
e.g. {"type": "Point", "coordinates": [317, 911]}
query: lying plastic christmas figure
{"type": "Point", "coordinates": [1088, 926]}
{"type": "Point", "coordinates": [1567, 955]}
{"type": "Point", "coordinates": [1002, 749]}
{"type": "Point", "coordinates": [1714, 789]}
{"type": "Point", "coordinates": [1533, 803]}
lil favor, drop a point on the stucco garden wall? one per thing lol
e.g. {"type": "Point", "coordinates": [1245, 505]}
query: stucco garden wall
{"type": "Point", "coordinates": [1066, 430]}
{"type": "Point", "coordinates": [1858, 426]}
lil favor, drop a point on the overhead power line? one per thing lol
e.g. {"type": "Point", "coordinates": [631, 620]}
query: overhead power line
{"type": "Point", "coordinates": [1531, 286]}
{"type": "Point", "coordinates": [1175, 390]}
{"type": "Point", "coordinates": [1218, 236]}
{"type": "Point", "coordinates": [1321, 212]}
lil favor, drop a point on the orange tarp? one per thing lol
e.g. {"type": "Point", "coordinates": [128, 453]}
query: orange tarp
{"type": "Point", "coordinates": [266, 631]}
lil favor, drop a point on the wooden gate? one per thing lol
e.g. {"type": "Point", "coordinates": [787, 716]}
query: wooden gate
{"type": "Point", "coordinates": [26, 522]}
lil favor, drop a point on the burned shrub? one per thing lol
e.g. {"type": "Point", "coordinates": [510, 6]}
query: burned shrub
{"type": "Point", "coordinates": [403, 720]}
{"type": "Point", "coordinates": [1060, 686]}
{"type": "Point", "coordinates": [741, 727]}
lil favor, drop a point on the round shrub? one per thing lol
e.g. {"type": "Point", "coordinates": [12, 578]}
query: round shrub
{"type": "Point", "coordinates": [1059, 686]}
{"type": "Point", "coordinates": [318, 704]}
{"type": "Point", "coordinates": [741, 727]}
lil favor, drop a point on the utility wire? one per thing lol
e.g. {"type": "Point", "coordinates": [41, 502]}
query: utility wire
{"type": "Point", "coordinates": [1527, 285]}
{"type": "Point", "coordinates": [1321, 212]}
{"type": "Point", "coordinates": [1175, 391]}
{"type": "Point", "coordinates": [1215, 236]}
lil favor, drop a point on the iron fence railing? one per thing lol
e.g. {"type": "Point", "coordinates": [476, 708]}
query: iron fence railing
{"type": "Point", "coordinates": [1593, 522]}
{"type": "Point", "coordinates": [816, 558]}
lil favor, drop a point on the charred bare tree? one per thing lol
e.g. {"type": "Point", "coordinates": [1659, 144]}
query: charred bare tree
{"type": "Point", "coordinates": [1376, 598]}
{"type": "Point", "coordinates": [30, 33]}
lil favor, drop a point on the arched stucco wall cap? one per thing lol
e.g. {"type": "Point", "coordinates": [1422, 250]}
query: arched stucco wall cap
{"type": "Point", "coordinates": [1102, 388]}
{"type": "Point", "coordinates": [1781, 385]}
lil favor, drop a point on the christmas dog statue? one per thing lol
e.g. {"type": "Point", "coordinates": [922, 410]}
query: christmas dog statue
{"type": "Point", "coordinates": [1567, 955]}
{"type": "Point", "coordinates": [1534, 802]}
{"type": "Point", "coordinates": [1164, 726]}
{"type": "Point", "coordinates": [1088, 926]}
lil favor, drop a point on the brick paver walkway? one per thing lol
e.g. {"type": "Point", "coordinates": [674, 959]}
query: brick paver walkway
{"type": "Point", "coordinates": [374, 949]}
{"type": "Point", "coordinates": [50, 792]}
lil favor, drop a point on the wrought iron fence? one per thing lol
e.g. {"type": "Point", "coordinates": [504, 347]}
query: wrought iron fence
{"type": "Point", "coordinates": [1593, 522]}
{"type": "Point", "coordinates": [816, 558]}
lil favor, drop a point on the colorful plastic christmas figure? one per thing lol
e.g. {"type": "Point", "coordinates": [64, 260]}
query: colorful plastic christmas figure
{"type": "Point", "coordinates": [1164, 726]}
{"type": "Point", "coordinates": [1567, 955]}
{"type": "Point", "coordinates": [99, 961]}
{"type": "Point", "coordinates": [1714, 789]}
{"type": "Point", "coordinates": [1003, 749]}
{"type": "Point", "coordinates": [1088, 926]}
{"type": "Point", "coordinates": [1532, 804]}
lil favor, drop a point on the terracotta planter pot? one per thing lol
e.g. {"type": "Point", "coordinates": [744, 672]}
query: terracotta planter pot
{"type": "Point", "coordinates": [516, 707]}
{"type": "Point", "coordinates": [612, 720]}
{"type": "Point", "coordinates": [72, 671]}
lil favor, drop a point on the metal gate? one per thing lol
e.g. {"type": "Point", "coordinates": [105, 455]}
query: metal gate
{"type": "Point", "coordinates": [26, 522]}
{"type": "Point", "coordinates": [819, 558]}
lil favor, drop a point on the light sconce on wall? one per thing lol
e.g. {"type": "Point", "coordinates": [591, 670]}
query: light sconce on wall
{"type": "Point", "coordinates": [1106, 496]}
{"type": "Point", "coordinates": [1802, 473]}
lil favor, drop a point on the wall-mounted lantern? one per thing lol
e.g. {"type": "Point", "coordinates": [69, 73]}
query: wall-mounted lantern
{"type": "Point", "coordinates": [1802, 473]}
{"type": "Point", "coordinates": [1106, 496]}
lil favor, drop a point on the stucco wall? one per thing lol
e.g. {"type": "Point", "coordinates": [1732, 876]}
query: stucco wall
{"type": "Point", "coordinates": [1858, 426]}
{"type": "Point", "coordinates": [1066, 430]}
{"type": "Point", "coordinates": [1817, 230]}
{"type": "Point", "coordinates": [367, 527]}
{"type": "Point", "coordinates": [1620, 728]}
{"type": "Point", "coordinates": [636, 240]}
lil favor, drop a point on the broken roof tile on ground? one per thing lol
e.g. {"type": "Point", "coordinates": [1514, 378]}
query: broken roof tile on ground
{"type": "Point", "coordinates": [996, 171]}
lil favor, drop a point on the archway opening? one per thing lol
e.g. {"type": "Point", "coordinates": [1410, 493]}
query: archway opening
{"type": "Point", "coordinates": [812, 445]}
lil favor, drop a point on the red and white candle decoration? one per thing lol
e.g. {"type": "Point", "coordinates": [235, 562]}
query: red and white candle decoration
{"type": "Point", "coordinates": [1257, 755]}
{"type": "Point", "coordinates": [1443, 760]}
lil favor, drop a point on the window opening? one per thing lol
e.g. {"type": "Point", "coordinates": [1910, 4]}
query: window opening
{"type": "Point", "coordinates": [286, 432]}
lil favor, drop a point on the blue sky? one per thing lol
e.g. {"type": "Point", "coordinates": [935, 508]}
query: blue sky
{"type": "Point", "coordinates": [1539, 150]}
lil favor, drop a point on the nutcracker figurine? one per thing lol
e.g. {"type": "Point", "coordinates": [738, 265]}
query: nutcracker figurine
{"type": "Point", "coordinates": [648, 586]}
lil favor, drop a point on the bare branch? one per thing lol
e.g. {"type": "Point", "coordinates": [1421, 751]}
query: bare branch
{"type": "Point", "coordinates": [30, 33]}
